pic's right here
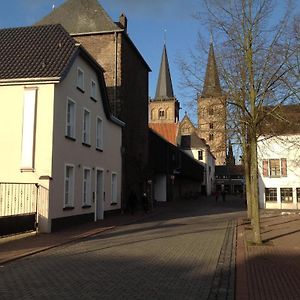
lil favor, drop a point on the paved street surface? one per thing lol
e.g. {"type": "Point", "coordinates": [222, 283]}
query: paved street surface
{"type": "Point", "coordinates": [186, 252]}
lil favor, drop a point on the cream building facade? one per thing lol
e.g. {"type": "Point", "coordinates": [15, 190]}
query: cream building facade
{"type": "Point", "coordinates": [56, 128]}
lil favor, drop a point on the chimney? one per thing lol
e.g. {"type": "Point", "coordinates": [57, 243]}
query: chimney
{"type": "Point", "coordinates": [123, 22]}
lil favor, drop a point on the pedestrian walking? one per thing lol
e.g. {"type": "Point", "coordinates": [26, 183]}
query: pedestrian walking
{"type": "Point", "coordinates": [145, 202]}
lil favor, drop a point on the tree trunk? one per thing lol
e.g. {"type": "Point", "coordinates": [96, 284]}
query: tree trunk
{"type": "Point", "coordinates": [254, 191]}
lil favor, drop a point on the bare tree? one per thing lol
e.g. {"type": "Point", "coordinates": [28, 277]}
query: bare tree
{"type": "Point", "coordinates": [259, 65]}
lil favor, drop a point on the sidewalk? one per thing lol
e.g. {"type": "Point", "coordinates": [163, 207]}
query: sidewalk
{"type": "Point", "coordinates": [21, 245]}
{"type": "Point", "coordinates": [270, 271]}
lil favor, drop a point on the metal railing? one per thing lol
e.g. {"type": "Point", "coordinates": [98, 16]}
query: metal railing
{"type": "Point", "coordinates": [18, 198]}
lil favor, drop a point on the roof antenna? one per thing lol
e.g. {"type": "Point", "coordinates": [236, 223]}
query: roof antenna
{"type": "Point", "coordinates": [165, 36]}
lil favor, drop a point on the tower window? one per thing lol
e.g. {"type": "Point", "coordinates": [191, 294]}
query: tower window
{"type": "Point", "coordinates": [211, 125]}
{"type": "Point", "coordinates": [161, 114]}
{"type": "Point", "coordinates": [211, 137]}
{"type": "Point", "coordinates": [211, 111]}
{"type": "Point", "coordinates": [200, 155]}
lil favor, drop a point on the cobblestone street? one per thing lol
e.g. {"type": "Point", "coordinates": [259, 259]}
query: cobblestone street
{"type": "Point", "coordinates": [184, 253]}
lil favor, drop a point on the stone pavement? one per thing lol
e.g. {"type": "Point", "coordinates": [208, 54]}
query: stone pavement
{"type": "Point", "coordinates": [184, 252]}
{"type": "Point", "coordinates": [272, 270]}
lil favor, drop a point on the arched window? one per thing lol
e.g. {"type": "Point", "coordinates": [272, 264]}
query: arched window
{"type": "Point", "coordinates": [161, 114]}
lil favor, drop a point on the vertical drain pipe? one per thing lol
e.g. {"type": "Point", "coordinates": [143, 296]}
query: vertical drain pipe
{"type": "Point", "coordinates": [116, 74]}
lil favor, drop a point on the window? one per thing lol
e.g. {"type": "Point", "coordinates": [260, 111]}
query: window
{"type": "Point", "coordinates": [114, 188]}
{"type": "Point", "coordinates": [70, 119]}
{"type": "Point", "coordinates": [211, 137]}
{"type": "Point", "coordinates": [28, 131]}
{"type": "Point", "coordinates": [87, 188]}
{"type": "Point", "coordinates": [99, 134]}
{"type": "Point", "coordinates": [80, 79]}
{"type": "Point", "coordinates": [211, 125]}
{"type": "Point", "coordinates": [69, 186]}
{"type": "Point", "coordinates": [286, 194]}
{"type": "Point", "coordinates": [86, 127]}
{"type": "Point", "coordinates": [93, 90]}
{"type": "Point", "coordinates": [200, 155]}
{"type": "Point", "coordinates": [161, 114]}
{"type": "Point", "coordinates": [271, 194]}
{"type": "Point", "coordinates": [275, 167]}
{"type": "Point", "coordinates": [298, 194]}
{"type": "Point", "coordinates": [211, 111]}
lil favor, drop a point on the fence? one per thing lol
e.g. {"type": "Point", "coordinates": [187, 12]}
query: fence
{"type": "Point", "coordinates": [18, 199]}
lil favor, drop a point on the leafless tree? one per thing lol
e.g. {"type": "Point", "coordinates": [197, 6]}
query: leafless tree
{"type": "Point", "coordinates": [258, 56]}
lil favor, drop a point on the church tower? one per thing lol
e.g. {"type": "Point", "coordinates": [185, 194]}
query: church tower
{"type": "Point", "coordinates": [164, 108]}
{"type": "Point", "coordinates": [212, 111]}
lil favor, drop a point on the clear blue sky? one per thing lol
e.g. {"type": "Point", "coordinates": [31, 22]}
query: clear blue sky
{"type": "Point", "coordinates": [147, 21]}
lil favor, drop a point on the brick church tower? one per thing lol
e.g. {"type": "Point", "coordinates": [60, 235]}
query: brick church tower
{"type": "Point", "coordinates": [212, 111]}
{"type": "Point", "coordinates": [164, 108]}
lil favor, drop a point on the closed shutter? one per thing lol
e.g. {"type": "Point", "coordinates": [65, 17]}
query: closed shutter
{"type": "Point", "coordinates": [283, 167]}
{"type": "Point", "coordinates": [265, 168]}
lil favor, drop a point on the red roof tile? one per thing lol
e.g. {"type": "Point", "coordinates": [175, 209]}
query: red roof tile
{"type": "Point", "coordinates": [167, 131]}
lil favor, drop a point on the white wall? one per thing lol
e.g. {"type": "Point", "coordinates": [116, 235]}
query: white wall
{"type": "Point", "coordinates": [74, 152]}
{"type": "Point", "coordinates": [276, 148]}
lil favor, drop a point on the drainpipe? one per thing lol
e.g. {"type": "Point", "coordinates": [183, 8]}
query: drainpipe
{"type": "Point", "coordinates": [116, 74]}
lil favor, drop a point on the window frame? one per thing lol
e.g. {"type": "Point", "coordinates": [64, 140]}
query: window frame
{"type": "Point", "coordinates": [270, 197]}
{"type": "Point", "coordinates": [284, 195]}
{"type": "Point", "coordinates": [200, 154]}
{"type": "Point", "coordinates": [71, 187]}
{"type": "Point", "coordinates": [86, 128]}
{"type": "Point", "coordinates": [298, 194]}
{"type": "Point", "coordinates": [80, 80]}
{"type": "Point", "coordinates": [72, 134]}
{"type": "Point", "coordinates": [99, 135]}
{"type": "Point", "coordinates": [86, 188]}
{"type": "Point", "coordinates": [93, 91]}
{"type": "Point", "coordinates": [114, 188]}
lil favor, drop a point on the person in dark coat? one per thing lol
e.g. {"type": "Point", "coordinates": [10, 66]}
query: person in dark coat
{"type": "Point", "coordinates": [145, 202]}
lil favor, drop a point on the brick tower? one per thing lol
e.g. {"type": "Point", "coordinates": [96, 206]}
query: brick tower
{"type": "Point", "coordinates": [212, 111]}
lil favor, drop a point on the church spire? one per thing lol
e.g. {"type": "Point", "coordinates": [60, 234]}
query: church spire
{"type": "Point", "coordinates": [212, 87]}
{"type": "Point", "coordinates": [164, 89]}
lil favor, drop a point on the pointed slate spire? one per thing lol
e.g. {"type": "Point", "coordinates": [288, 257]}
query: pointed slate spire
{"type": "Point", "coordinates": [164, 88]}
{"type": "Point", "coordinates": [212, 87]}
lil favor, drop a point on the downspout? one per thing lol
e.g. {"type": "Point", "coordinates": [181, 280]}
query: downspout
{"type": "Point", "coordinates": [116, 74]}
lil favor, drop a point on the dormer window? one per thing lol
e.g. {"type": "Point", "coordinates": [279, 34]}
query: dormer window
{"type": "Point", "coordinates": [80, 79]}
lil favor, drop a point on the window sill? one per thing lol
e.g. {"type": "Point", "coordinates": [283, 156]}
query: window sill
{"type": "Point", "coordinates": [100, 150]}
{"type": "Point", "coordinates": [114, 203]}
{"type": "Point", "coordinates": [86, 145]}
{"type": "Point", "coordinates": [70, 138]}
{"type": "Point", "coordinates": [68, 208]}
{"type": "Point", "coordinates": [92, 98]}
{"type": "Point", "coordinates": [80, 89]}
{"type": "Point", "coordinates": [86, 206]}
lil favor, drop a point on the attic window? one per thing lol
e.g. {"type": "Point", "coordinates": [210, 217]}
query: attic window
{"type": "Point", "coordinates": [80, 79]}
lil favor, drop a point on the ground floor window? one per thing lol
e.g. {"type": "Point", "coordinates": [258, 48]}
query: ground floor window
{"type": "Point", "coordinates": [298, 194]}
{"type": "Point", "coordinates": [114, 188]}
{"type": "Point", "coordinates": [286, 194]}
{"type": "Point", "coordinates": [87, 187]}
{"type": "Point", "coordinates": [69, 186]}
{"type": "Point", "coordinates": [271, 194]}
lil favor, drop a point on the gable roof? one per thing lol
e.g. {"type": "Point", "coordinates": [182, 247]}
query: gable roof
{"type": "Point", "coordinates": [164, 88]}
{"type": "Point", "coordinates": [86, 16]}
{"type": "Point", "coordinates": [192, 141]}
{"type": "Point", "coordinates": [43, 53]}
{"type": "Point", "coordinates": [35, 52]}
{"type": "Point", "coordinates": [283, 120]}
{"type": "Point", "coordinates": [167, 131]}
